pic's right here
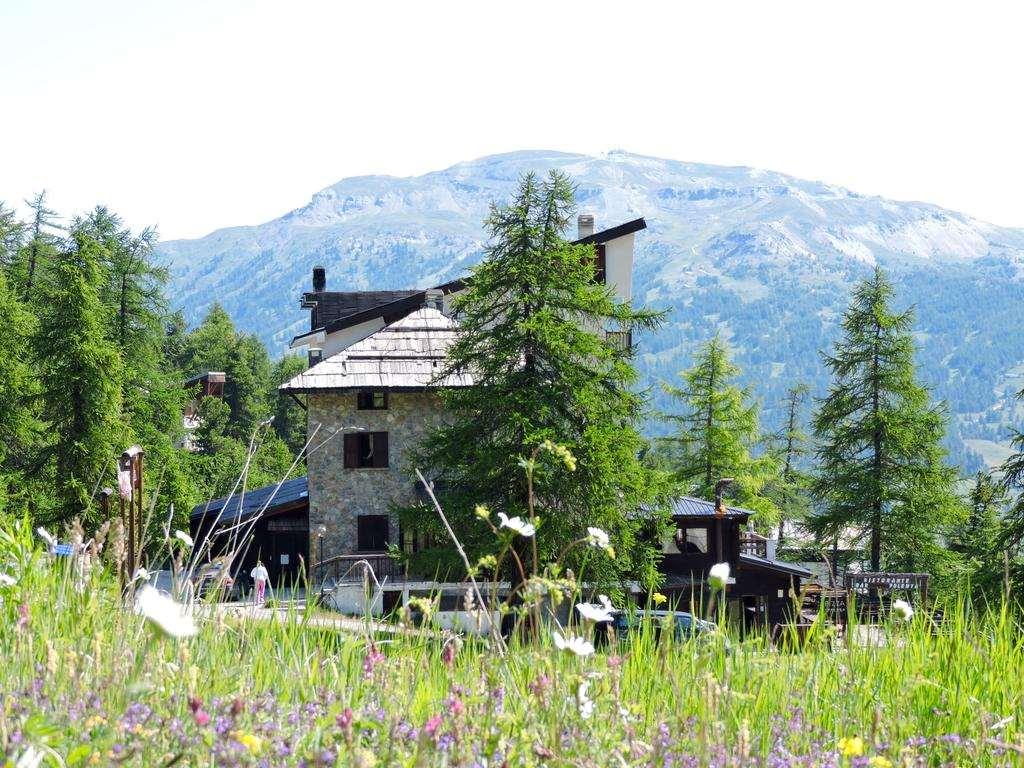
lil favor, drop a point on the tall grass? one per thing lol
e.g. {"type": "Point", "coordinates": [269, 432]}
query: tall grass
{"type": "Point", "coordinates": [85, 681]}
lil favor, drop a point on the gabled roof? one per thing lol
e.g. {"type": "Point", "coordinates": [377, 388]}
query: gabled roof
{"type": "Point", "coordinates": [688, 506]}
{"type": "Point", "coordinates": [291, 493]}
{"type": "Point", "coordinates": [406, 354]}
{"type": "Point", "coordinates": [377, 303]}
{"type": "Point", "coordinates": [336, 305]}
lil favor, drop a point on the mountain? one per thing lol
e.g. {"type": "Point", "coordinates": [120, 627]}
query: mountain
{"type": "Point", "coordinates": [766, 258]}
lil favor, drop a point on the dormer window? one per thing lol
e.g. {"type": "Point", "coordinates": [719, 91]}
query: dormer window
{"type": "Point", "coordinates": [372, 400]}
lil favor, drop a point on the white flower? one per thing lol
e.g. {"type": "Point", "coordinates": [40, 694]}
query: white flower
{"type": "Point", "coordinates": [168, 616]}
{"type": "Point", "coordinates": [516, 524]}
{"type": "Point", "coordinates": [45, 535]}
{"type": "Point", "coordinates": [902, 610]}
{"type": "Point", "coordinates": [141, 573]}
{"type": "Point", "coordinates": [7, 581]}
{"type": "Point", "coordinates": [184, 537]}
{"type": "Point", "coordinates": [596, 612]}
{"type": "Point", "coordinates": [597, 538]}
{"type": "Point", "coordinates": [30, 758]}
{"type": "Point", "coordinates": [718, 576]}
{"type": "Point", "coordinates": [584, 702]}
{"type": "Point", "coordinates": [577, 645]}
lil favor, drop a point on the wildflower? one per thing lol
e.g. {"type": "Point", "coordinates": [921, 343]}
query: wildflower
{"type": "Point", "coordinates": [540, 686]}
{"type": "Point", "coordinates": [718, 576]}
{"type": "Point", "coordinates": [455, 706]}
{"type": "Point", "coordinates": [482, 512]}
{"type": "Point", "coordinates": [46, 536]}
{"type": "Point", "coordinates": [851, 746]}
{"type": "Point", "coordinates": [344, 720]}
{"type": "Point", "coordinates": [30, 758]}
{"type": "Point", "coordinates": [561, 452]}
{"type": "Point", "coordinates": [577, 645]}
{"type": "Point", "coordinates": [184, 538]}
{"type": "Point", "coordinates": [516, 524]}
{"type": "Point", "coordinates": [7, 581]}
{"type": "Point", "coordinates": [22, 617]}
{"type": "Point", "coordinates": [448, 652]}
{"type": "Point", "coordinates": [658, 598]}
{"type": "Point", "coordinates": [901, 609]}
{"type": "Point", "coordinates": [430, 727]}
{"type": "Point", "coordinates": [597, 538]}
{"type": "Point", "coordinates": [596, 612]}
{"type": "Point", "coordinates": [584, 703]}
{"type": "Point", "coordinates": [250, 741]}
{"type": "Point", "coordinates": [372, 659]}
{"type": "Point", "coordinates": [141, 574]}
{"type": "Point", "coordinates": [880, 762]}
{"type": "Point", "coordinates": [164, 613]}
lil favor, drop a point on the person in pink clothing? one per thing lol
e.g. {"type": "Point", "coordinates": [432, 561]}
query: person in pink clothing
{"type": "Point", "coordinates": [260, 577]}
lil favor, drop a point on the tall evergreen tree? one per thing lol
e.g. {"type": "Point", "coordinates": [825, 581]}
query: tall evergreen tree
{"type": "Point", "coordinates": [80, 377]}
{"type": "Point", "coordinates": [18, 425]}
{"type": "Point", "coordinates": [881, 467]}
{"type": "Point", "coordinates": [718, 434]}
{"type": "Point", "coordinates": [289, 417]}
{"type": "Point", "coordinates": [42, 245]}
{"type": "Point", "coordinates": [979, 540]}
{"type": "Point", "coordinates": [12, 233]}
{"type": "Point", "coordinates": [532, 338]}
{"type": "Point", "coordinates": [1012, 472]}
{"type": "Point", "coordinates": [791, 489]}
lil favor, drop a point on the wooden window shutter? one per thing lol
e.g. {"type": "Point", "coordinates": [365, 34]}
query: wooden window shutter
{"type": "Point", "coordinates": [600, 265]}
{"type": "Point", "coordinates": [380, 449]}
{"type": "Point", "coordinates": [351, 451]}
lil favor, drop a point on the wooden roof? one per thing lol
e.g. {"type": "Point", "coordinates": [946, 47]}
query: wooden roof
{"type": "Point", "coordinates": [408, 354]}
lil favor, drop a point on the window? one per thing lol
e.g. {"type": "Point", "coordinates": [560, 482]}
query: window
{"type": "Point", "coordinates": [372, 533]}
{"type": "Point", "coordinates": [695, 540]}
{"type": "Point", "coordinates": [376, 400]}
{"type": "Point", "coordinates": [365, 450]}
{"type": "Point", "coordinates": [621, 340]}
{"type": "Point", "coordinates": [600, 265]}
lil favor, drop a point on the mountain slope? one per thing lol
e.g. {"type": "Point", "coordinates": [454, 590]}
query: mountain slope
{"type": "Point", "coordinates": [766, 258]}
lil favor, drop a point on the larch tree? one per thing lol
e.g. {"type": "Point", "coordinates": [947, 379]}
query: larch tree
{"type": "Point", "coordinates": [18, 425]}
{"type": "Point", "coordinates": [881, 471]}
{"type": "Point", "coordinates": [1012, 472]}
{"type": "Point", "coordinates": [80, 379]}
{"type": "Point", "coordinates": [42, 245]}
{"type": "Point", "coordinates": [791, 488]}
{"type": "Point", "coordinates": [718, 435]}
{"type": "Point", "coordinates": [533, 321]}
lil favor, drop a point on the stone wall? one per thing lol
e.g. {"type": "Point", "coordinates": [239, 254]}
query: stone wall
{"type": "Point", "coordinates": [337, 495]}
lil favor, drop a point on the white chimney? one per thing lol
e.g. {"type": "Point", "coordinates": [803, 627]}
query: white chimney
{"type": "Point", "coordinates": [585, 224]}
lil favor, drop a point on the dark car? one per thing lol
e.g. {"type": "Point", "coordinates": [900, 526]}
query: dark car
{"type": "Point", "coordinates": [684, 625]}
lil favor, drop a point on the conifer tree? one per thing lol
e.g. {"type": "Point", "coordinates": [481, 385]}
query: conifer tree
{"type": "Point", "coordinates": [881, 467]}
{"type": "Point", "coordinates": [718, 433]}
{"type": "Point", "coordinates": [1012, 472]}
{"type": "Point", "coordinates": [18, 425]}
{"type": "Point", "coordinates": [80, 378]}
{"type": "Point", "coordinates": [42, 245]}
{"type": "Point", "coordinates": [289, 417]}
{"type": "Point", "coordinates": [533, 320]}
{"type": "Point", "coordinates": [791, 489]}
{"type": "Point", "coordinates": [980, 539]}
{"type": "Point", "coordinates": [12, 232]}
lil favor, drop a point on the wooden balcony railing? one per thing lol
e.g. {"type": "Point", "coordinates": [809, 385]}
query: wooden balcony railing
{"type": "Point", "coordinates": [754, 544]}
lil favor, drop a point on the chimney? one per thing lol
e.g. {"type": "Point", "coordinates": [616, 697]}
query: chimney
{"type": "Point", "coordinates": [585, 224]}
{"type": "Point", "coordinates": [319, 278]}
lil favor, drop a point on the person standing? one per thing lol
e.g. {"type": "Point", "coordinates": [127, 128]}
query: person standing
{"type": "Point", "coordinates": [260, 576]}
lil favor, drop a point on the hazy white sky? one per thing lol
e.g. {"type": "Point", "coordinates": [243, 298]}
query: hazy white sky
{"type": "Point", "coordinates": [199, 114]}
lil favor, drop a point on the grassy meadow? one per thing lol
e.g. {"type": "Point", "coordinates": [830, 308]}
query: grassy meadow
{"type": "Point", "coordinates": [85, 680]}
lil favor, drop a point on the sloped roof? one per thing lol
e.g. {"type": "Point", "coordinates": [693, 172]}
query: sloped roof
{"type": "Point", "coordinates": [270, 496]}
{"type": "Point", "coordinates": [375, 304]}
{"type": "Point", "coordinates": [689, 506]}
{"type": "Point", "coordinates": [406, 354]}
{"type": "Point", "coordinates": [774, 565]}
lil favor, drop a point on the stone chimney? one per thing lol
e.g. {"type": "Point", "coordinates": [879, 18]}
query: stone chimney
{"type": "Point", "coordinates": [434, 299]}
{"type": "Point", "coordinates": [319, 278]}
{"type": "Point", "coordinates": [585, 225]}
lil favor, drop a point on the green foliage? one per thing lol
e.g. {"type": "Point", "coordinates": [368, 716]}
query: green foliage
{"type": "Point", "coordinates": [718, 434]}
{"type": "Point", "coordinates": [978, 540]}
{"type": "Point", "coordinates": [289, 417]}
{"type": "Point", "coordinates": [533, 321]}
{"type": "Point", "coordinates": [791, 488]}
{"type": "Point", "coordinates": [881, 467]}
{"type": "Point", "coordinates": [80, 376]}
{"type": "Point", "coordinates": [18, 425]}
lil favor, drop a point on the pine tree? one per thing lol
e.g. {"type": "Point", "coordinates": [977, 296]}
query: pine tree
{"type": "Point", "coordinates": [718, 434]}
{"type": "Point", "coordinates": [980, 539]}
{"type": "Point", "coordinates": [41, 247]}
{"type": "Point", "coordinates": [881, 463]}
{"type": "Point", "coordinates": [289, 417]}
{"type": "Point", "coordinates": [12, 233]}
{"type": "Point", "coordinates": [532, 338]}
{"type": "Point", "coordinates": [791, 489]}
{"type": "Point", "coordinates": [18, 425]}
{"type": "Point", "coordinates": [80, 378]}
{"type": "Point", "coordinates": [1012, 472]}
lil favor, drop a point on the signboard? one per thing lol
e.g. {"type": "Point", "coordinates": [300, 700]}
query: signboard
{"type": "Point", "coordinates": [285, 559]}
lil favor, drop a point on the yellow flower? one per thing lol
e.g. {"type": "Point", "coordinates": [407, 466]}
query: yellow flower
{"type": "Point", "coordinates": [482, 511]}
{"type": "Point", "coordinates": [880, 762]}
{"type": "Point", "coordinates": [658, 598]}
{"type": "Point", "coordinates": [250, 741]}
{"type": "Point", "coordinates": [851, 746]}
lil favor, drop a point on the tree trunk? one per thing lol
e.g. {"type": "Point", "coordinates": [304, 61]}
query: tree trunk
{"type": "Point", "coordinates": [876, 438]}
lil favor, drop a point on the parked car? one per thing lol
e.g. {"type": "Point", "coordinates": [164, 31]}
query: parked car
{"type": "Point", "coordinates": [684, 625]}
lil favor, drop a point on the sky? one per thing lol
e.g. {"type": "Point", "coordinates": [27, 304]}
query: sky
{"type": "Point", "coordinates": [199, 114]}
